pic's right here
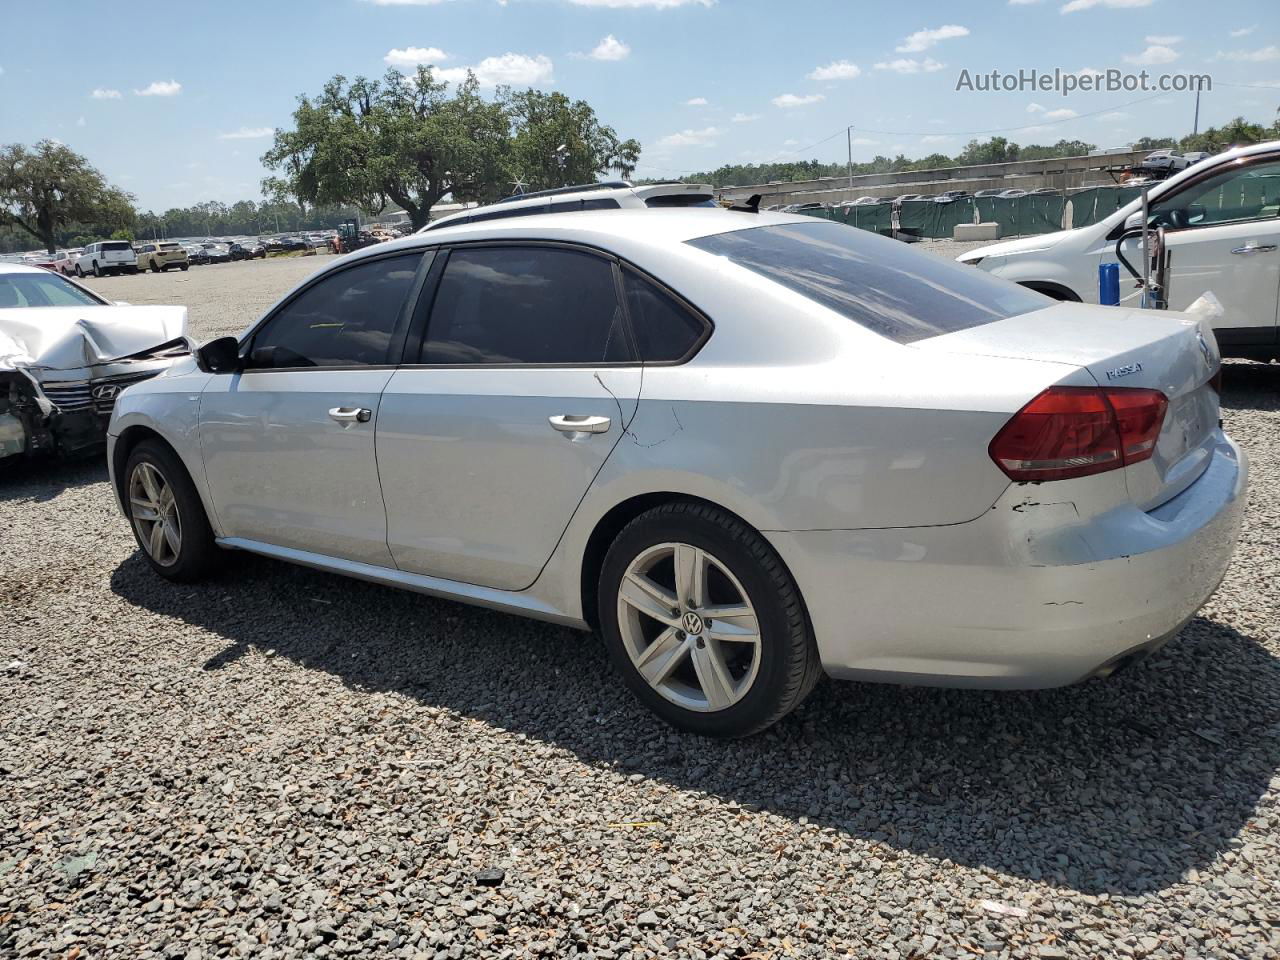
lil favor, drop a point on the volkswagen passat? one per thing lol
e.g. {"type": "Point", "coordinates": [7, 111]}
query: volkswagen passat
{"type": "Point", "coordinates": [748, 448]}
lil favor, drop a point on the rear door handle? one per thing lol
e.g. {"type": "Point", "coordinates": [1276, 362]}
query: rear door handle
{"type": "Point", "coordinates": [571, 423]}
{"type": "Point", "coordinates": [1255, 248]}
{"type": "Point", "coordinates": [350, 414]}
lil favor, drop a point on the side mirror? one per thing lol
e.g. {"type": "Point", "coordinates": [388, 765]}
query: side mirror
{"type": "Point", "coordinates": [219, 356]}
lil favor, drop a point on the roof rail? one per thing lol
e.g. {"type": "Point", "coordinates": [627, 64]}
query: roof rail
{"type": "Point", "coordinates": [605, 185]}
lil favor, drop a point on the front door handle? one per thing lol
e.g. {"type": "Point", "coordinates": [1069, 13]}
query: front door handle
{"type": "Point", "coordinates": [570, 423]}
{"type": "Point", "coordinates": [350, 414]}
{"type": "Point", "coordinates": [1255, 248]}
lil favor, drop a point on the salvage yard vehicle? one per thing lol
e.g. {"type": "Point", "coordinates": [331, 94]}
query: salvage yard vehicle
{"type": "Point", "coordinates": [163, 255]}
{"type": "Point", "coordinates": [1220, 227]}
{"type": "Point", "coordinates": [746, 447]}
{"type": "Point", "coordinates": [65, 355]}
{"type": "Point", "coordinates": [107, 256]}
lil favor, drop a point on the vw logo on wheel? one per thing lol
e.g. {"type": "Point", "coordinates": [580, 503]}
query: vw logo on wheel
{"type": "Point", "coordinates": [105, 391]}
{"type": "Point", "coordinates": [692, 623]}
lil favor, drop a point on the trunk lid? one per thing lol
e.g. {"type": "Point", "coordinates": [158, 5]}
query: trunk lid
{"type": "Point", "coordinates": [1171, 352]}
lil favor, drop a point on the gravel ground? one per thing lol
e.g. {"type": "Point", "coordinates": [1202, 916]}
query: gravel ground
{"type": "Point", "coordinates": [282, 763]}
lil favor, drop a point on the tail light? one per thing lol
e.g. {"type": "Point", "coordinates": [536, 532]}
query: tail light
{"type": "Point", "coordinates": [1077, 431]}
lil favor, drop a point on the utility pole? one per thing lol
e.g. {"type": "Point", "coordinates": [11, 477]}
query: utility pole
{"type": "Point", "coordinates": [1195, 125]}
{"type": "Point", "coordinates": [848, 135]}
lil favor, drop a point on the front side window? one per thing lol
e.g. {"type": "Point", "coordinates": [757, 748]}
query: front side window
{"type": "Point", "coordinates": [528, 305]}
{"type": "Point", "coordinates": [42, 290]}
{"type": "Point", "coordinates": [1234, 195]}
{"type": "Point", "coordinates": [345, 319]}
{"type": "Point", "coordinates": [878, 283]}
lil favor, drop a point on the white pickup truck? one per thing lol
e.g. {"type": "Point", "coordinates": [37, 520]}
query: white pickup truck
{"type": "Point", "coordinates": [1221, 225]}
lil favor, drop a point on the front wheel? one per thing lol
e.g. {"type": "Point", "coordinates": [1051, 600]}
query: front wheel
{"type": "Point", "coordinates": [183, 268]}
{"type": "Point", "coordinates": [78, 271]}
{"type": "Point", "coordinates": [166, 514]}
{"type": "Point", "coordinates": [97, 270]}
{"type": "Point", "coordinates": [155, 267]}
{"type": "Point", "coordinates": [704, 622]}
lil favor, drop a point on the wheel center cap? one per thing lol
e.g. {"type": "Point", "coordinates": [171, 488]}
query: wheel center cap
{"type": "Point", "coordinates": [692, 623]}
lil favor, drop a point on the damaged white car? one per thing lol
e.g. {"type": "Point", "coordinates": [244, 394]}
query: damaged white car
{"type": "Point", "coordinates": [66, 354]}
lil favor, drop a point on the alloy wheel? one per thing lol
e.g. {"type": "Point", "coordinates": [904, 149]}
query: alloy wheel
{"type": "Point", "coordinates": [689, 627]}
{"type": "Point", "coordinates": [154, 512]}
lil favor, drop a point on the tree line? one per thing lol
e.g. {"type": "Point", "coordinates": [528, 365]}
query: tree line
{"type": "Point", "coordinates": [994, 150]}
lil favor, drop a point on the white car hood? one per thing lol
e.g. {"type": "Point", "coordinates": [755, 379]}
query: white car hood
{"type": "Point", "coordinates": [70, 338]}
{"type": "Point", "coordinates": [1031, 244]}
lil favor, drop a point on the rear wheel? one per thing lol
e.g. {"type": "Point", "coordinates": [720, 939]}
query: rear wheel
{"type": "Point", "coordinates": [704, 623]}
{"type": "Point", "coordinates": [78, 271]}
{"type": "Point", "coordinates": [97, 270]}
{"type": "Point", "coordinates": [155, 267]}
{"type": "Point", "coordinates": [166, 514]}
{"type": "Point", "coordinates": [183, 267]}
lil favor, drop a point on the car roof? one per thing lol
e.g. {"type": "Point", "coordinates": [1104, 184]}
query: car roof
{"type": "Point", "coordinates": [648, 225]}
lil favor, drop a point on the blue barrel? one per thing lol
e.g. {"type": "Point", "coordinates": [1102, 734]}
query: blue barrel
{"type": "Point", "coordinates": [1109, 284]}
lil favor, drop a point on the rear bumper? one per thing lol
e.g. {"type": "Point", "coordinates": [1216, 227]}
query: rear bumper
{"type": "Point", "coordinates": [1019, 598]}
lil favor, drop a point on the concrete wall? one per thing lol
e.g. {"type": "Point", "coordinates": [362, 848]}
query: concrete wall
{"type": "Point", "coordinates": [1065, 173]}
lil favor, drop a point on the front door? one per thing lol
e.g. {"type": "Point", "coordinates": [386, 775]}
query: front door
{"type": "Point", "coordinates": [1223, 235]}
{"type": "Point", "coordinates": [523, 385]}
{"type": "Point", "coordinates": [289, 442]}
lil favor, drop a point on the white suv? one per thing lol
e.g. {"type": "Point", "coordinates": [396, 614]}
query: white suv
{"type": "Point", "coordinates": [107, 256]}
{"type": "Point", "coordinates": [608, 195]}
{"type": "Point", "coordinates": [1221, 223]}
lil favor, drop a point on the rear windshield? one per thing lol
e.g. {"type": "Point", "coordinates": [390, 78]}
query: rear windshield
{"type": "Point", "coordinates": [878, 283]}
{"type": "Point", "coordinates": [117, 245]}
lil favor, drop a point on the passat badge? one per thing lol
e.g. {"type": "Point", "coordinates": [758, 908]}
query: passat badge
{"type": "Point", "coordinates": [1124, 371]}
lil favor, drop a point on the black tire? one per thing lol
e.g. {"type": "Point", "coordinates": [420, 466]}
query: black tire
{"type": "Point", "coordinates": [78, 271]}
{"type": "Point", "coordinates": [183, 268]}
{"type": "Point", "coordinates": [789, 666]}
{"type": "Point", "coordinates": [155, 267]}
{"type": "Point", "coordinates": [97, 270]}
{"type": "Point", "coordinates": [198, 554]}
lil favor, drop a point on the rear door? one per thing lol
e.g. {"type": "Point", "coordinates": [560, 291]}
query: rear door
{"type": "Point", "coordinates": [289, 443]}
{"type": "Point", "coordinates": [489, 437]}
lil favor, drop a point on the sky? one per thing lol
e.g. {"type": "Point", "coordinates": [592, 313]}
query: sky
{"type": "Point", "coordinates": [178, 108]}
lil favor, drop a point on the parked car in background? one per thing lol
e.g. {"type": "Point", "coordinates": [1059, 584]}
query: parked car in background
{"type": "Point", "coordinates": [196, 254]}
{"type": "Point", "coordinates": [65, 355]}
{"type": "Point", "coordinates": [105, 257]}
{"type": "Point", "coordinates": [247, 250]}
{"type": "Point", "coordinates": [1043, 192]}
{"type": "Point", "coordinates": [747, 448]}
{"type": "Point", "coordinates": [58, 262]}
{"type": "Point", "coordinates": [1221, 234]}
{"type": "Point", "coordinates": [1162, 163]}
{"type": "Point", "coordinates": [216, 253]}
{"type": "Point", "coordinates": [161, 255]}
{"type": "Point", "coordinates": [1195, 156]}
{"type": "Point", "coordinates": [909, 197]}
{"type": "Point", "coordinates": [947, 196]}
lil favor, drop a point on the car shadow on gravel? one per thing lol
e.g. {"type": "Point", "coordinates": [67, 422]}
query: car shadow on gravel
{"type": "Point", "coordinates": [1250, 386]}
{"type": "Point", "coordinates": [1117, 786]}
{"type": "Point", "coordinates": [42, 480]}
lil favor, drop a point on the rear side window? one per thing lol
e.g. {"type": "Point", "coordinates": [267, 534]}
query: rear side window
{"type": "Point", "coordinates": [527, 305]}
{"type": "Point", "coordinates": [345, 319]}
{"type": "Point", "coordinates": [878, 283]}
{"type": "Point", "coordinates": [664, 328]}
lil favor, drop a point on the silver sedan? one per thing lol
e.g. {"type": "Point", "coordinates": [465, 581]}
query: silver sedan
{"type": "Point", "coordinates": [746, 448]}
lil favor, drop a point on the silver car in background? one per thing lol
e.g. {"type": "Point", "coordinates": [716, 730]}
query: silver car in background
{"type": "Point", "coordinates": [747, 448]}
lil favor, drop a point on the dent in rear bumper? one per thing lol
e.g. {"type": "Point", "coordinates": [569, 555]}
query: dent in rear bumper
{"type": "Point", "coordinates": [1032, 598]}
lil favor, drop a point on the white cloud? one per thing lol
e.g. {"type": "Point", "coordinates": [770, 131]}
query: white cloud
{"type": "Point", "coordinates": [907, 65]}
{"type": "Point", "coordinates": [1244, 31]}
{"type": "Point", "coordinates": [610, 48]}
{"type": "Point", "coordinates": [655, 4]}
{"type": "Point", "coordinates": [839, 70]}
{"type": "Point", "coordinates": [412, 56]}
{"type": "Point", "coordinates": [161, 88]}
{"type": "Point", "coordinates": [1152, 56]}
{"type": "Point", "coordinates": [1075, 6]}
{"type": "Point", "coordinates": [936, 138]}
{"type": "Point", "coordinates": [1088, 72]}
{"type": "Point", "coordinates": [1034, 108]}
{"type": "Point", "coordinates": [691, 138]}
{"type": "Point", "coordinates": [80, 122]}
{"type": "Point", "coordinates": [247, 133]}
{"type": "Point", "coordinates": [789, 100]}
{"type": "Point", "coordinates": [924, 39]}
{"type": "Point", "coordinates": [515, 69]}
{"type": "Point", "coordinates": [1164, 41]}
{"type": "Point", "coordinates": [1251, 56]}
{"type": "Point", "coordinates": [745, 117]}
{"type": "Point", "coordinates": [790, 143]}
{"type": "Point", "coordinates": [1062, 114]}
{"type": "Point", "coordinates": [696, 102]}
{"type": "Point", "coordinates": [102, 93]}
